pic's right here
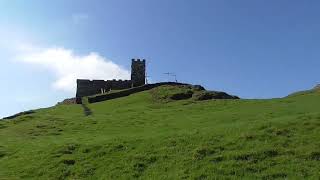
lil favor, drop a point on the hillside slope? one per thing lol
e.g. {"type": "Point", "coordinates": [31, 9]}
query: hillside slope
{"type": "Point", "coordinates": [148, 136]}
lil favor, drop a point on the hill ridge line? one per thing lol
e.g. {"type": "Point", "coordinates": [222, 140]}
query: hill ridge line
{"type": "Point", "coordinates": [104, 97]}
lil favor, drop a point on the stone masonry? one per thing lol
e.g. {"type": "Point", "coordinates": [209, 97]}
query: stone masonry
{"type": "Point", "coordinates": [138, 72]}
{"type": "Point", "coordinates": [87, 87]}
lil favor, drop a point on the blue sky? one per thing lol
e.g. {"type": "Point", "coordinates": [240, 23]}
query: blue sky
{"type": "Point", "coordinates": [249, 48]}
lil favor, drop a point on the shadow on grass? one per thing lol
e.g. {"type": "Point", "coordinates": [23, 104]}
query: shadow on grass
{"type": "Point", "coordinates": [87, 111]}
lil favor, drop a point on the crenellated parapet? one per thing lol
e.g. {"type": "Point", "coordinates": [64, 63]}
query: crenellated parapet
{"type": "Point", "coordinates": [138, 72]}
{"type": "Point", "coordinates": [87, 87]}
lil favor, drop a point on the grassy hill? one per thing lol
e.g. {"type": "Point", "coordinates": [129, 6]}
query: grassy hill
{"type": "Point", "coordinates": [150, 136]}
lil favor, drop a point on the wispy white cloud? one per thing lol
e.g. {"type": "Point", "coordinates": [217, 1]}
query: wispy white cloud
{"type": "Point", "coordinates": [64, 64]}
{"type": "Point", "coordinates": [79, 18]}
{"type": "Point", "coordinates": [68, 66]}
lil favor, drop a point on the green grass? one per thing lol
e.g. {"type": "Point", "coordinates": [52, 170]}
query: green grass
{"type": "Point", "coordinates": [145, 136]}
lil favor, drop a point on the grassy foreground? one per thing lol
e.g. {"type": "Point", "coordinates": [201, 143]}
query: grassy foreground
{"type": "Point", "coordinates": [147, 136]}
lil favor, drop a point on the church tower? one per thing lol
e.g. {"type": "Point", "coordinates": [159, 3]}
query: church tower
{"type": "Point", "coordinates": [138, 72]}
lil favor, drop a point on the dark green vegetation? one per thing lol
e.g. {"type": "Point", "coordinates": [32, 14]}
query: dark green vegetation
{"type": "Point", "coordinates": [149, 135]}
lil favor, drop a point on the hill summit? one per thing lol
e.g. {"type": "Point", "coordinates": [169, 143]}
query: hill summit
{"type": "Point", "coordinates": [166, 133]}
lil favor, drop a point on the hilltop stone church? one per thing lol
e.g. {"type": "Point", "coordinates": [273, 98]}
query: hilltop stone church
{"type": "Point", "coordinates": [87, 87]}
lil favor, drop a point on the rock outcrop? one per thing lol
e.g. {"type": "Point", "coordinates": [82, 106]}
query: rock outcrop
{"type": "Point", "coordinates": [207, 95]}
{"type": "Point", "coordinates": [68, 101]}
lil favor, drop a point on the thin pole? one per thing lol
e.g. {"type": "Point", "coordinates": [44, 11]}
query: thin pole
{"type": "Point", "coordinates": [175, 77]}
{"type": "Point", "coordinates": [168, 75]}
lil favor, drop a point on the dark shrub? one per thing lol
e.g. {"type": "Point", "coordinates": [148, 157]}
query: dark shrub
{"type": "Point", "coordinates": [183, 95]}
{"type": "Point", "coordinates": [69, 161]}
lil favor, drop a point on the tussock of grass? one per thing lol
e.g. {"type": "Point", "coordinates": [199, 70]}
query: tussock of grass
{"type": "Point", "coordinates": [2, 152]}
{"type": "Point", "coordinates": [149, 135]}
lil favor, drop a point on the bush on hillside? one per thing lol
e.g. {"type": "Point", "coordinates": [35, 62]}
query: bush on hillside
{"type": "Point", "coordinates": [182, 95]}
